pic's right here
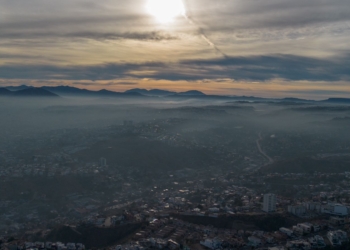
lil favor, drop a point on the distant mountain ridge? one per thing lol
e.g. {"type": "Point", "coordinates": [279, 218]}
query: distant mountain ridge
{"type": "Point", "coordinates": [338, 100]}
{"type": "Point", "coordinates": [152, 92]}
{"type": "Point", "coordinates": [68, 91]}
{"type": "Point", "coordinates": [293, 99]}
{"type": "Point", "coordinates": [27, 92]}
{"type": "Point", "coordinates": [16, 88]}
{"type": "Point", "coordinates": [73, 91]}
{"type": "Point", "coordinates": [4, 91]}
{"type": "Point", "coordinates": [192, 93]}
{"type": "Point", "coordinates": [34, 92]}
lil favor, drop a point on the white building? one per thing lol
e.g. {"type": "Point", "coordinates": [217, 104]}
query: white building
{"type": "Point", "coordinates": [286, 231]}
{"type": "Point", "coordinates": [103, 162]}
{"type": "Point", "coordinates": [211, 243]}
{"type": "Point", "coordinates": [314, 206]}
{"type": "Point", "coordinates": [335, 209]}
{"type": "Point", "coordinates": [297, 210]}
{"type": "Point", "coordinates": [269, 204]}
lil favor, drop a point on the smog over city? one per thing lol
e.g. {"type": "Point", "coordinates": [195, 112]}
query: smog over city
{"type": "Point", "coordinates": [173, 124]}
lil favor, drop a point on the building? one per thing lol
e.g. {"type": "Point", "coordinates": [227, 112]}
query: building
{"type": "Point", "coordinates": [211, 243]}
{"type": "Point", "coordinates": [317, 242]}
{"type": "Point", "coordinates": [337, 238]}
{"type": "Point", "coordinates": [103, 162]}
{"type": "Point", "coordinates": [254, 241]}
{"type": "Point", "coordinates": [314, 206]}
{"type": "Point", "coordinates": [173, 245]}
{"type": "Point", "coordinates": [305, 228]}
{"type": "Point", "coordinates": [337, 220]}
{"type": "Point", "coordinates": [335, 209]}
{"type": "Point", "coordinates": [298, 244]}
{"type": "Point", "coordinates": [297, 210]}
{"type": "Point", "coordinates": [214, 210]}
{"type": "Point", "coordinates": [269, 204]}
{"type": "Point", "coordinates": [286, 231]}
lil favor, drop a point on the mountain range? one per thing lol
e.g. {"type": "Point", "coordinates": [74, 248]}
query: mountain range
{"type": "Point", "coordinates": [48, 91]}
{"type": "Point", "coordinates": [27, 92]}
{"type": "Point", "coordinates": [68, 91]}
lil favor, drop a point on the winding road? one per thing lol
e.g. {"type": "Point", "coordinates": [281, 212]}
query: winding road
{"type": "Point", "coordinates": [261, 151]}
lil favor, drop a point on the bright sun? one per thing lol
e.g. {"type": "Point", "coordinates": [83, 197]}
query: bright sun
{"type": "Point", "coordinates": [166, 10]}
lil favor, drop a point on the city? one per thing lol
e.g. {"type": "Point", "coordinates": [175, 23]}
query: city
{"type": "Point", "coordinates": [174, 125]}
{"type": "Point", "coordinates": [208, 188]}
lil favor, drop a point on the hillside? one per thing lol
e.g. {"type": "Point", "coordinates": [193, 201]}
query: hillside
{"type": "Point", "coordinates": [150, 155]}
{"type": "Point", "coordinates": [16, 88]}
{"type": "Point", "coordinates": [5, 92]}
{"type": "Point", "coordinates": [152, 92]}
{"type": "Point", "coordinates": [338, 100]}
{"type": "Point", "coordinates": [68, 91]}
{"type": "Point", "coordinates": [37, 92]}
{"type": "Point", "coordinates": [91, 236]}
{"type": "Point", "coordinates": [265, 222]}
{"type": "Point", "coordinates": [309, 165]}
{"type": "Point", "coordinates": [191, 92]}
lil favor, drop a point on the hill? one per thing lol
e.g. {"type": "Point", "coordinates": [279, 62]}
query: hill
{"type": "Point", "coordinates": [191, 93]}
{"type": "Point", "coordinates": [151, 155]}
{"type": "Point", "coordinates": [309, 165]}
{"type": "Point", "coordinates": [324, 108]}
{"type": "Point", "coordinates": [341, 119]}
{"type": "Point", "coordinates": [292, 99]}
{"type": "Point", "coordinates": [92, 237]}
{"type": "Point", "coordinates": [34, 92]}
{"type": "Point", "coordinates": [152, 92]}
{"type": "Point", "coordinates": [338, 100]}
{"type": "Point", "coordinates": [72, 91]}
{"type": "Point", "coordinates": [16, 88]}
{"type": "Point", "coordinates": [5, 92]}
{"type": "Point", "coordinates": [68, 91]}
{"type": "Point", "coordinates": [27, 92]}
{"type": "Point", "coordinates": [267, 222]}
{"type": "Point", "coordinates": [108, 93]}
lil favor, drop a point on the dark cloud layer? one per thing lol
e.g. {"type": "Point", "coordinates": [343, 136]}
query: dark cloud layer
{"type": "Point", "coordinates": [254, 68]}
{"type": "Point", "coordinates": [250, 14]}
{"type": "Point", "coordinates": [141, 36]}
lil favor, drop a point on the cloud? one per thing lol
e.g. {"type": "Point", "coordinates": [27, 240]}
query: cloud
{"type": "Point", "coordinates": [251, 68]}
{"type": "Point", "coordinates": [125, 83]}
{"type": "Point", "coordinates": [141, 36]}
{"type": "Point", "coordinates": [249, 14]}
{"type": "Point", "coordinates": [262, 41]}
{"type": "Point", "coordinates": [103, 84]}
{"type": "Point", "coordinates": [267, 67]}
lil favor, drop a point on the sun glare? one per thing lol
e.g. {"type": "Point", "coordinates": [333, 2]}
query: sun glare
{"type": "Point", "coordinates": [165, 10]}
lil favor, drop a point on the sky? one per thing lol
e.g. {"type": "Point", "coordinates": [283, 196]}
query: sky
{"type": "Point", "coordinates": [267, 48]}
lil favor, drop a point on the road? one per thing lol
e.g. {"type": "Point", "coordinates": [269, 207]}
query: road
{"type": "Point", "coordinates": [261, 151]}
